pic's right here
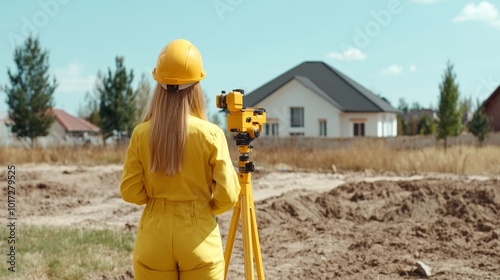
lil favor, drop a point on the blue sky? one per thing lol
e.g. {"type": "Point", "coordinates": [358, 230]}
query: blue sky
{"type": "Point", "coordinates": [396, 48]}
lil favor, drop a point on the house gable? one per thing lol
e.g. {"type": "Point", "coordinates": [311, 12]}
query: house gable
{"type": "Point", "coordinates": [297, 93]}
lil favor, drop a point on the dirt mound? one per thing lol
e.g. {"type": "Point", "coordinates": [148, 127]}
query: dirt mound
{"type": "Point", "coordinates": [381, 228]}
{"type": "Point", "coordinates": [71, 195]}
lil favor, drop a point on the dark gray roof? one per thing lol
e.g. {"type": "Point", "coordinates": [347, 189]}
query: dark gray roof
{"type": "Point", "coordinates": [337, 88]}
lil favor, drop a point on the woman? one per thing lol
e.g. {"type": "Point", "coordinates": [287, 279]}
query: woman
{"type": "Point", "coordinates": [178, 164]}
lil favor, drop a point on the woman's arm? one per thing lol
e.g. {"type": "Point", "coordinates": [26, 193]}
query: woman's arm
{"type": "Point", "coordinates": [132, 185]}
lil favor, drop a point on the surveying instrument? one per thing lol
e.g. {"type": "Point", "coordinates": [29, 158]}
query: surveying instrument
{"type": "Point", "coordinates": [247, 123]}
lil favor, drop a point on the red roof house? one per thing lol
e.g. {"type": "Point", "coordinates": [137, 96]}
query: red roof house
{"type": "Point", "coordinates": [492, 109]}
{"type": "Point", "coordinates": [73, 124]}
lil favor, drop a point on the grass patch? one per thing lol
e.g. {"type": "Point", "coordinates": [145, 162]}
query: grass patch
{"type": "Point", "coordinates": [50, 252]}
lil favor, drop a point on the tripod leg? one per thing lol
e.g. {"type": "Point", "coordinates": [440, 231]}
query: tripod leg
{"type": "Point", "coordinates": [247, 237]}
{"type": "Point", "coordinates": [256, 245]}
{"type": "Point", "coordinates": [231, 236]}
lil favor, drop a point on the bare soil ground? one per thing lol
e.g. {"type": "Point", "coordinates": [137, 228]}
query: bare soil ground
{"type": "Point", "coordinates": [311, 225]}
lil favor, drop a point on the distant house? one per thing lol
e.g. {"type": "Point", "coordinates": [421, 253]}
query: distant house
{"type": "Point", "coordinates": [492, 109]}
{"type": "Point", "coordinates": [6, 137]}
{"type": "Point", "coordinates": [313, 99]}
{"type": "Point", "coordinates": [414, 115]}
{"type": "Point", "coordinates": [66, 130]}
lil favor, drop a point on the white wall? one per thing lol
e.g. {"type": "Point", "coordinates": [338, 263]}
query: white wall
{"type": "Point", "coordinates": [294, 94]}
{"type": "Point", "coordinates": [55, 136]}
{"type": "Point", "coordinates": [381, 124]}
{"type": "Point", "coordinates": [388, 125]}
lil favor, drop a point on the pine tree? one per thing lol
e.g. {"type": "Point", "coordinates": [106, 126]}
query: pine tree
{"type": "Point", "coordinates": [450, 120]}
{"type": "Point", "coordinates": [480, 125]}
{"type": "Point", "coordinates": [117, 107]}
{"type": "Point", "coordinates": [30, 94]}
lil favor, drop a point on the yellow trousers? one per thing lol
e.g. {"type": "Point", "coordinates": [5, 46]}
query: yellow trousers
{"type": "Point", "coordinates": [178, 240]}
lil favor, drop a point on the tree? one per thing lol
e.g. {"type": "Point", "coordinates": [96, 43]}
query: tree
{"type": "Point", "coordinates": [425, 125]}
{"type": "Point", "coordinates": [402, 119]}
{"type": "Point", "coordinates": [465, 107]}
{"type": "Point", "coordinates": [416, 106]}
{"type": "Point", "coordinates": [30, 94]}
{"type": "Point", "coordinates": [450, 120]}
{"type": "Point", "coordinates": [117, 107]}
{"type": "Point", "coordinates": [90, 111]}
{"type": "Point", "coordinates": [480, 125]}
{"type": "Point", "coordinates": [143, 91]}
{"type": "Point", "coordinates": [403, 106]}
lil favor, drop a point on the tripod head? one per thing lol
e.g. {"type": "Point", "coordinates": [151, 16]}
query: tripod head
{"type": "Point", "coordinates": [247, 122]}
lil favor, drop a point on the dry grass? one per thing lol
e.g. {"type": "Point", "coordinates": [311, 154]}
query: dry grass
{"type": "Point", "coordinates": [376, 156]}
{"type": "Point", "coordinates": [63, 155]}
{"type": "Point", "coordinates": [363, 155]}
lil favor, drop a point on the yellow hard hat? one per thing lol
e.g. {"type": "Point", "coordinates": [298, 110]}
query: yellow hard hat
{"type": "Point", "coordinates": [179, 63]}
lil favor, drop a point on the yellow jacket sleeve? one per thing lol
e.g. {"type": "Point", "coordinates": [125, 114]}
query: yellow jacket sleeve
{"type": "Point", "coordinates": [225, 186]}
{"type": "Point", "coordinates": [132, 184]}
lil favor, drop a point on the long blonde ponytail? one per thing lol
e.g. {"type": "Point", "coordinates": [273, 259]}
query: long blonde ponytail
{"type": "Point", "coordinates": [168, 113]}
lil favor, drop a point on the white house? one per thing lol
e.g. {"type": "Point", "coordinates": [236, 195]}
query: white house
{"type": "Point", "coordinates": [315, 100]}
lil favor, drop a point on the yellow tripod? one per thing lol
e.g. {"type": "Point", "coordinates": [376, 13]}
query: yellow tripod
{"type": "Point", "coordinates": [245, 207]}
{"type": "Point", "coordinates": [247, 122]}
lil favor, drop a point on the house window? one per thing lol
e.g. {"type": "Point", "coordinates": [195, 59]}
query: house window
{"type": "Point", "coordinates": [322, 127]}
{"type": "Point", "coordinates": [271, 129]}
{"type": "Point", "coordinates": [297, 115]}
{"type": "Point", "coordinates": [359, 129]}
{"type": "Point", "coordinates": [296, 133]}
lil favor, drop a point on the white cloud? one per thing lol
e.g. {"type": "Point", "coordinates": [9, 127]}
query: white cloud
{"type": "Point", "coordinates": [350, 54]}
{"type": "Point", "coordinates": [483, 11]}
{"type": "Point", "coordinates": [425, 1]}
{"type": "Point", "coordinates": [392, 70]}
{"type": "Point", "coordinates": [413, 68]}
{"type": "Point", "coordinates": [70, 79]}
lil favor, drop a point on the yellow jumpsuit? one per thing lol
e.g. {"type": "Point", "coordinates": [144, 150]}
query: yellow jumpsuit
{"type": "Point", "coordinates": [177, 236]}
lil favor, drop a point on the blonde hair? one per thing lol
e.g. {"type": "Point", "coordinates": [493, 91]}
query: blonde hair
{"type": "Point", "coordinates": [168, 112]}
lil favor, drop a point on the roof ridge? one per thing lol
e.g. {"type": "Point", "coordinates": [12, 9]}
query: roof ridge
{"type": "Point", "coordinates": [316, 89]}
{"type": "Point", "coordinates": [350, 82]}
